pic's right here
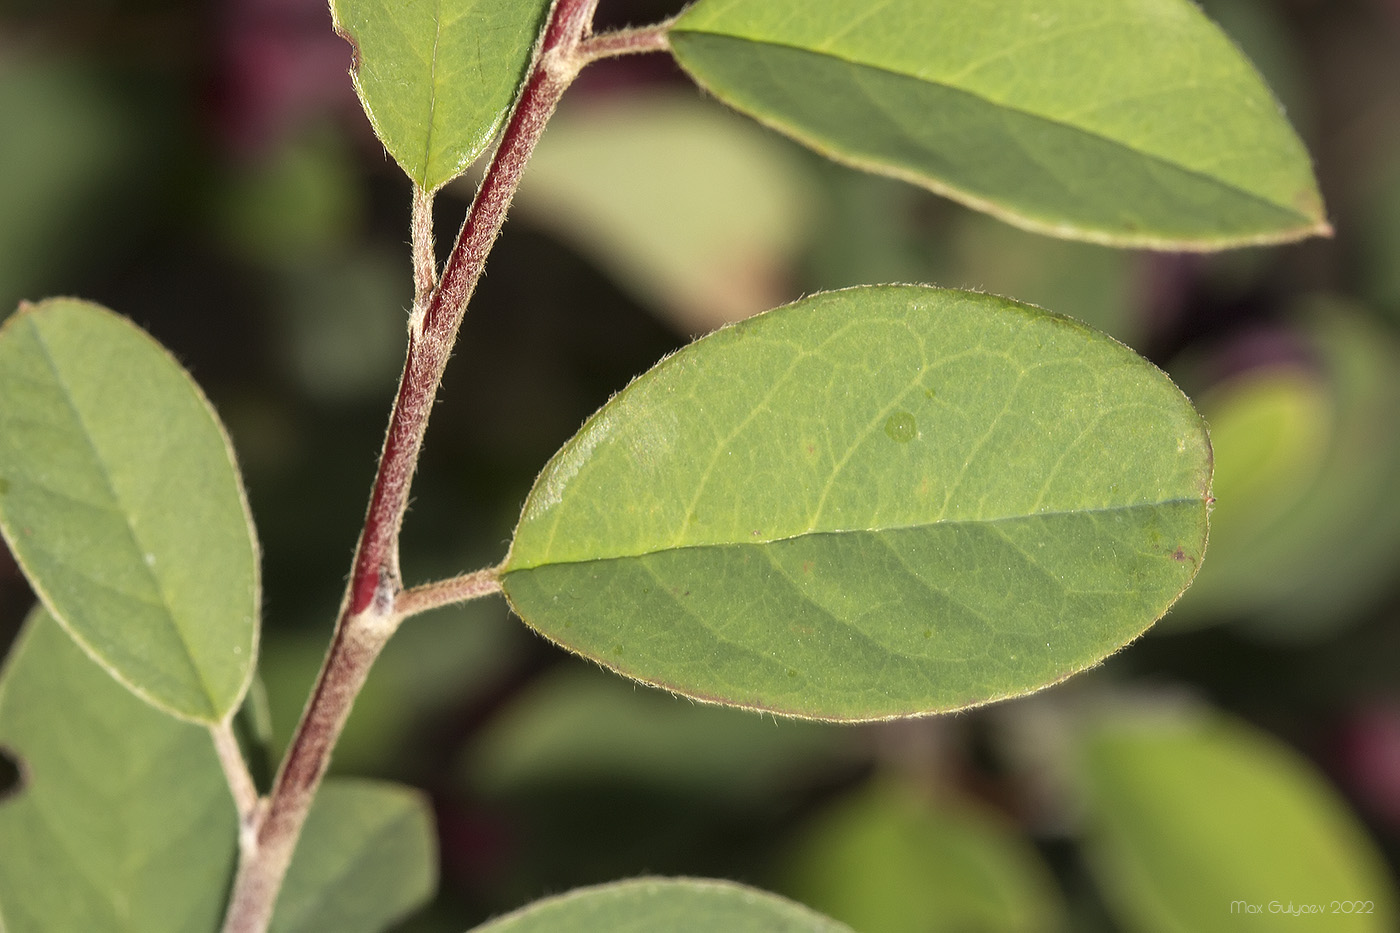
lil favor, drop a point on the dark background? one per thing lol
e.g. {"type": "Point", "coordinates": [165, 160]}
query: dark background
{"type": "Point", "coordinates": [205, 169]}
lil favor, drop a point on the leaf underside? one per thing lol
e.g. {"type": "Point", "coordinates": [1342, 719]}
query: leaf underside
{"type": "Point", "coordinates": [366, 858]}
{"type": "Point", "coordinates": [872, 503]}
{"type": "Point", "coordinates": [121, 502]}
{"type": "Point", "coordinates": [123, 821]}
{"type": "Point", "coordinates": [1131, 123]}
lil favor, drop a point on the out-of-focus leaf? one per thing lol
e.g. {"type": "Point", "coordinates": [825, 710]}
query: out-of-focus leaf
{"type": "Point", "coordinates": [367, 857]}
{"type": "Point", "coordinates": [298, 204]}
{"type": "Point", "coordinates": [1132, 122]}
{"type": "Point", "coordinates": [892, 500]}
{"type": "Point", "coordinates": [582, 725]}
{"type": "Point", "coordinates": [1379, 240]}
{"type": "Point", "coordinates": [343, 323]}
{"type": "Point", "coordinates": [697, 212]}
{"type": "Point", "coordinates": [1270, 430]}
{"type": "Point", "coordinates": [121, 501]}
{"type": "Point", "coordinates": [677, 905]}
{"type": "Point", "coordinates": [123, 821]}
{"type": "Point", "coordinates": [436, 77]}
{"type": "Point", "coordinates": [886, 860]}
{"type": "Point", "coordinates": [1085, 281]}
{"type": "Point", "coordinates": [1308, 517]}
{"type": "Point", "coordinates": [67, 140]}
{"type": "Point", "coordinates": [1201, 824]}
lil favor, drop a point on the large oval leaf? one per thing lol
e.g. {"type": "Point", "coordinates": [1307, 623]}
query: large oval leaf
{"type": "Point", "coordinates": [123, 822]}
{"type": "Point", "coordinates": [1202, 824]}
{"type": "Point", "coordinates": [1130, 122]}
{"type": "Point", "coordinates": [436, 77]}
{"type": "Point", "coordinates": [677, 905]}
{"type": "Point", "coordinates": [870, 503]}
{"type": "Point", "coordinates": [120, 500]}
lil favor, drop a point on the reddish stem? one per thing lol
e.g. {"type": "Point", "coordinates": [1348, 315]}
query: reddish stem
{"type": "Point", "coordinates": [368, 613]}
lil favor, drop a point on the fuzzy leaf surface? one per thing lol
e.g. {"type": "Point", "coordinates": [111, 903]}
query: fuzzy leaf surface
{"type": "Point", "coordinates": [366, 858]}
{"type": "Point", "coordinates": [436, 77]}
{"type": "Point", "coordinates": [123, 822]}
{"type": "Point", "coordinates": [678, 905]}
{"type": "Point", "coordinates": [871, 503]}
{"type": "Point", "coordinates": [120, 499]}
{"type": "Point", "coordinates": [1127, 122]}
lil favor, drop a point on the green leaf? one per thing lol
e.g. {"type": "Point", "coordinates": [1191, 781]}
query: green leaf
{"type": "Point", "coordinates": [1270, 430]}
{"type": "Point", "coordinates": [437, 77]}
{"type": "Point", "coordinates": [1309, 483]}
{"type": "Point", "coordinates": [120, 500]}
{"type": "Point", "coordinates": [1201, 824]}
{"type": "Point", "coordinates": [871, 503]}
{"type": "Point", "coordinates": [677, 905]}
{"type": "Point", "coordinates": [123, 821]}
{"type": "Point", "coordinates": [889, 860]}
{"type": "Point", "coordinates": [1127, 122]}
{"type": "Point", "coordinates": [366, 858]}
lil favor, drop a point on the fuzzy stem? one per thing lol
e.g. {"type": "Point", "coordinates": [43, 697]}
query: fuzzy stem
{"type": "Point", "coordinates": [627, 42]}
{"type": "Point", "coordinates": [424, 258]}
{"type": "Point", "coordinates": [240, 781]}
{"type": "Point", "coordinates": [369, 613]}
{"type": "Point", "coordinates": [446, 592]}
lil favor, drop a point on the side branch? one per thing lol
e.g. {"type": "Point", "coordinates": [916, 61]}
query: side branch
{"type": "Point", "coordinates": [240, 782]}
{"type": "Point", "coordinates": [627, 42]}
{"type": "Point", "coordinates": [446, 592]}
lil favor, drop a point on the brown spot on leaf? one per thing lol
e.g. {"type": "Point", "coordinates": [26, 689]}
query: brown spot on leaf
{"type": "Point", "coordinates": [354, 48]}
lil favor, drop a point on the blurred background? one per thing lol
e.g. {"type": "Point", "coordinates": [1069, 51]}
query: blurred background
{"type": "Point", "coordinates": [204, 168]}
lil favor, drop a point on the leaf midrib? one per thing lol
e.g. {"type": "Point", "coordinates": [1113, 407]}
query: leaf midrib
{"type": "Point", "coordinates": [156, 580]}
{"type": "Point", "coordinates": [758, 542]}
{"type": "Point", "coordinates": [432, 96]}
{"type": "Point", "coordinates": [1152, 156]}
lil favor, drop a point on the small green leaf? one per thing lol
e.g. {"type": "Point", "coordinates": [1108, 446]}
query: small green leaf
{"type": "Point", "coordinates": [677, 905]}
{"type": "Point", "coordinates": [871, 503]}
{"type": "Point", "coordinates": [888, 859]}
{"type": "Point", "coordinates": [366, 858]}
{"type": "Point", "coordinates": [122, 504]}
{"type": "Point", "coordinates": [1127, 122]}
{"type": "Point", "coordinates": [123, 821]}
{"type": "Point", "coordinates": [437, 77]}
{"type": "Point", "coordinates": [1201, 824]}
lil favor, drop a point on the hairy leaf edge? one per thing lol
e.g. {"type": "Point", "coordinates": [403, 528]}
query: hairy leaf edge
{"type": "Point", "coordinates": [1312, 226]}
{"type": "Point", "coordinates": [25, 311]}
